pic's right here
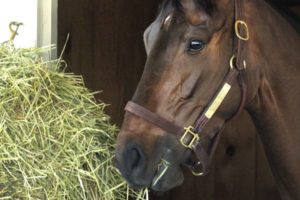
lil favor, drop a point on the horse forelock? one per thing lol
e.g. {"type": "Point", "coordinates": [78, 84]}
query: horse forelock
{"type": "Point", "coordinates": [177, 5]}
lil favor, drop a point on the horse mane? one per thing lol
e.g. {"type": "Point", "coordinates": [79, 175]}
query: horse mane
{"type": "Point", "coordinates": [283, 11]}
{"type": "Point", "coordinates": [177, 5]}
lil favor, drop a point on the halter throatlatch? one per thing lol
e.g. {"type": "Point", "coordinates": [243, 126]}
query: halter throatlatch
{"type": "Point", "coordinates": [190, 137]}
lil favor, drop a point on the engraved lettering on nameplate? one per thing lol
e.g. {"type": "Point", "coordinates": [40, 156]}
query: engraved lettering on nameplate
{"type": "Point", "coordinates": [218, 100]}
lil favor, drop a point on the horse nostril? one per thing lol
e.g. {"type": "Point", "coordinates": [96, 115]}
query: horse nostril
{"type": "Point", "coordinates": [133, 158]}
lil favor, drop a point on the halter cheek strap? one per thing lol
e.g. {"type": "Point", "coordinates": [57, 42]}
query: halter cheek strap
{"type": "Point", "coordinates": [190, 137]}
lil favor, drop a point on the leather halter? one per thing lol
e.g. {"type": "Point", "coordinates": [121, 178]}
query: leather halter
{"type": "Point", "coordinates": [190, 137]}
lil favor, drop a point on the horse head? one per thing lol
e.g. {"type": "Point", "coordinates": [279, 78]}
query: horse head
{"type": "Point", "coordinates": [190, 48]}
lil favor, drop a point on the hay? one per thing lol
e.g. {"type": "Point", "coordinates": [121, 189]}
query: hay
{"type": "Point", "coordinates": [162, 168]}
{"type": "Point", "coordinates": [56, 142]}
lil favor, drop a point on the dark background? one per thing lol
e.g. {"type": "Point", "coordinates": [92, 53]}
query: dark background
{"type": "Point", "coordinates": [106, 47]}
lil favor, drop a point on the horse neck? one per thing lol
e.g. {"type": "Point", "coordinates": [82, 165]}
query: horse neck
{"type": "Point", "coordinates": [274, 79]}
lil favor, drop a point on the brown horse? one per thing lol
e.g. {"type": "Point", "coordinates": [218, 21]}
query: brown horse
{"type": "Point", "coordinates": [190, 47]}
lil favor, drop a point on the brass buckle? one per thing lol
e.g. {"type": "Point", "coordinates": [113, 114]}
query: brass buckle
{"type": "Point", "coordinates": [195, 137]}
{"type": "Point", "coordinates": [243, 24]}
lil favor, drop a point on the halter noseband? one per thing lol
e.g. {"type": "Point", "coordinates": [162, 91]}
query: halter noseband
{"type": "Point", "coordinates": [190, 136]}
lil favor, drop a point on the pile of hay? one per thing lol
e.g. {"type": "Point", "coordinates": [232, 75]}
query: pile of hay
{"type": "Point", "coordinates": [56, 142]}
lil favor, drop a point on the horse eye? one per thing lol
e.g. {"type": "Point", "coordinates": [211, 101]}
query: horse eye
{"type": "Point", "coordinates": [196, 45]}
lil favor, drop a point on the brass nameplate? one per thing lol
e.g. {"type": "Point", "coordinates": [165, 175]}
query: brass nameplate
{"type": "Point", "coordinates": [218, 100]}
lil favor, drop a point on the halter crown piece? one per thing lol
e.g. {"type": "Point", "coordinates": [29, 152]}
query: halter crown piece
{"type": "Point", "coordinates": [190, 137]}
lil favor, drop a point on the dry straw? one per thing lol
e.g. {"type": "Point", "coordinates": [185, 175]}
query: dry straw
{"type": "Point", "coordinates": [56, 142]}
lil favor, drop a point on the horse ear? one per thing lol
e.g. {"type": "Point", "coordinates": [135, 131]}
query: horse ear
{"type": "Point", "coordinates": [194, 12]}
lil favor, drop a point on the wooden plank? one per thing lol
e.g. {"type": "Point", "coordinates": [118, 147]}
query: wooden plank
{"type": "Point", "coordinates": [106, 45]}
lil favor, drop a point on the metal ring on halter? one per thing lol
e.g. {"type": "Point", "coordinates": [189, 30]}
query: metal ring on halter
{"type": "Point", "coordinates": [232, 59]}
{"type": "Point", "coordinates": [232, 64]}
{"type": "Point", "coordinates": [194, 172]}
{"type": "Point", "coordinates": [244, 64]}
{"type": "Point", "coordinates": [240, 23]}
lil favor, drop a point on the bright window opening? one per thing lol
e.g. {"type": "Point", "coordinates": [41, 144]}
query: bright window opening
{"type": "Point", "coordinates": [20, 11]}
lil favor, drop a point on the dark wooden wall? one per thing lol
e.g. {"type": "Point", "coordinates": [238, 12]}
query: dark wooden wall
{"type": "Point", "coordinates": [106, 48]}
{"type": "Point", "coordinates": [106, 45]}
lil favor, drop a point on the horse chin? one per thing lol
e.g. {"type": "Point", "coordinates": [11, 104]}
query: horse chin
{"type": "Point", "coordinates": [161, 182]}
{"type": "Point", "coordinates": [166, 180]}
